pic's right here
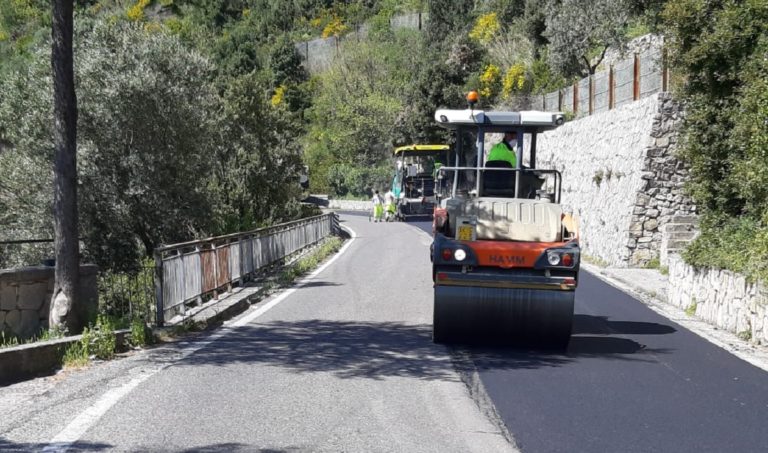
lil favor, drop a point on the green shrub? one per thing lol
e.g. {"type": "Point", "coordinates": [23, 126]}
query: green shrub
{"type": "Point", "coordinates": [76, 355]}
{"type": "Point", "coordinates": [745, 335]}
{"type": "Point", "coordinates": [100, 340]}
{"type": "Point", "coordinates": [308, 263]}
{"type": "Point", "coordinates": [654, 263]}
{"type": "Point", "coordinates": [141, 335]}
{"type": "Point", "coordinates": [690, 310]}
{"type": "Point", "coordinates": [720, 49]}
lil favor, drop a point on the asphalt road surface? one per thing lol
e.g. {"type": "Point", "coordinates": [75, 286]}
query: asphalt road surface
{"type": "Point", "coordinates": [630, 381]}
{"type": "Point", "coordinates": [346, 363]}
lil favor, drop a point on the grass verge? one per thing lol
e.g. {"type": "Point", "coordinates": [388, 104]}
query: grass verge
{"type": "Point", "coordinates": [307, 263]}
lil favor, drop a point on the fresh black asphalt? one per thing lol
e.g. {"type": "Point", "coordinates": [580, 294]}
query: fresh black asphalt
{"type": "Point", "coordinates": [630, 381]}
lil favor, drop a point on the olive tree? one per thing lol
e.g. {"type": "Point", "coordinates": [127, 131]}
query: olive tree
{"type": "Point", "coordinates": [581, 31]}
{"type": "Point", "coordinates": [144, 143]}
{"type": "Point", "coordinates": [147, 122]}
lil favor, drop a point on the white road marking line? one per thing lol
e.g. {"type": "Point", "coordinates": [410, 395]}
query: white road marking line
{"type": "Point", "coordinates": [90, 416]}
{"type": "Point", "coordinates": [83, 422]}
{"type": "Point", "coordinates": [304, 281]}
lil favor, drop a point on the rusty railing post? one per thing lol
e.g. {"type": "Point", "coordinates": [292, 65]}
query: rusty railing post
{"type": "Point", "coordinates": [636, 79]}
{"type": "Point", "coordinates": [575, 91]}
{"type": "Point", "coordinates": [664, 71]}
{"type": "Point", "coordinates": [611, 91]}
{"type": "Point", "coordinates": [159, 307]}
{"type": "Point", "coordinates": [215, 270]}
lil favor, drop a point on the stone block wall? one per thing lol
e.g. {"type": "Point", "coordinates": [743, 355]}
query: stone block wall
{"type": "Point", "coordinates": [721, 298]}
{"type": "Point", "coordinates": [25, 298]}
{"type": "Point", "coordinates": [620, 177]}
{"type": "Point", "coordinates": [350, 205]}
{"type": "Point", "coordinates": [661, 200]}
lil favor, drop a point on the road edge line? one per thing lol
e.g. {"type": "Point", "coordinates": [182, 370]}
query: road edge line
{"type": "Point", "coordinates": [88, 418]}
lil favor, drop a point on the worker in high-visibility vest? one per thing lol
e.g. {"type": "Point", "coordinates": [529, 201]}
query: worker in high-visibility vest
{"type": "Point", "coordinates": [390, 206]}
{"type": "Point", "coordinates": [505, 150]}
{"type": "Point", "coordinates": [378, 207]}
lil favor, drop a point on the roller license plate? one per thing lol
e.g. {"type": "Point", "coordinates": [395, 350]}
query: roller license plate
{"type": "Point", "coordinates": [465, 232]}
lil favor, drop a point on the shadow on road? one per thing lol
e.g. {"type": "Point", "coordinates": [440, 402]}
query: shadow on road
{"type": "Point", "coordinates": [591, 338]}
{"type": "Point", "coordinates": [378, 350]}
{"type": "Point", "coordinates": [316, 284]}
{"type": "Point", "coordinates": [10, 446]}
{"type": "Point", "coordinates": [586, 324]}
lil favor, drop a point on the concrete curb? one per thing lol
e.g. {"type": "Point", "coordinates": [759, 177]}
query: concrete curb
{"type": "Point", "coordinates": [624, 283]}
{"type": "Point", "coordinates": [27, 361]}
{"type": "Point", "coordinates": [19, 363]}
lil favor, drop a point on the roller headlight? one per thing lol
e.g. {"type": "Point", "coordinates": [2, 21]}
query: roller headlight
{"type": "Point", "coordinates": [553, 258]}
{"type": "Point", "coordinates": [459, 255]}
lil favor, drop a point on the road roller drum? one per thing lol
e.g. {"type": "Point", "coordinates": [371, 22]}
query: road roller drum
{"type": "Point", "coordinates": [502, 316]}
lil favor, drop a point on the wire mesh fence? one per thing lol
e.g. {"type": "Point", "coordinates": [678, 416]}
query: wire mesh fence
{"type": "Point", "coordinates": [629, 80]}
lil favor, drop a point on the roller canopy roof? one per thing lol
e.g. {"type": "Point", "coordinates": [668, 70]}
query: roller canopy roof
{"type": "Point", "coordinates": [529, 120]}
{"type": "Point", "coordinates": [426, 149]}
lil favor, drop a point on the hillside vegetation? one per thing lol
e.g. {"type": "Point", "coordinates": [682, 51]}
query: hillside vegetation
{"type": "Point", "coordinates": [196, 116]}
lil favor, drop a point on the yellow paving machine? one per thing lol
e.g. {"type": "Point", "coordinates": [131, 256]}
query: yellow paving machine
{"type": "Point", "coordinates": [413, 185]}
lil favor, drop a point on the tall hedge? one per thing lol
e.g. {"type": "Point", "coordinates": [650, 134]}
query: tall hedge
{"type": "Point", "coordinates": [721, 49]}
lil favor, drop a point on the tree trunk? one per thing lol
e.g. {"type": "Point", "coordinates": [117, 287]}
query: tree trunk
{"type": "Point", "coordinates": [64, 298]}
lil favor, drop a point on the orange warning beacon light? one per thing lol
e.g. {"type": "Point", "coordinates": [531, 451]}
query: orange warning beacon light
{"type": "Point", "coordinates": [472, 98]}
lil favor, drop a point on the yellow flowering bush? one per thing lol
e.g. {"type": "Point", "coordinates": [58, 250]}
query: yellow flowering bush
{"type": "Point", "coordinates": [278, 97]}
{"type": "Point", "coordinates": [316, 22]}
{"type": "Point", "coordinates": [335, 27]}
{"type": "Point", "coordinates": [489, 80]}
{"type": "Point", "coordinates": [136, 12]}
{"type": "Point", "coordinates": [486, 27]}
{"type": "Point", "coordinates": [514, 79]}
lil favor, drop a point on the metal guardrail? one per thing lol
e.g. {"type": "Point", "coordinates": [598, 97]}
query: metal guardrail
{"type": "Point", "coordinates": [187, 273]}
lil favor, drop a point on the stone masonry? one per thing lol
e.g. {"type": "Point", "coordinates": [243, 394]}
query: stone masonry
{"type": "Point", "coordinates": [722, 298]}
{"type": "Point", "coordinates": [621, 178]}
{"type": "Point", "coordinates": [661, 200]}
{"type": "Point", "coordinates": [25, 297]}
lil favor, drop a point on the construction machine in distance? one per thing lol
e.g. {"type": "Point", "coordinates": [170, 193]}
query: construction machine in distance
{"type": "Point", "coordinates": [505, 255]}
{"type": "Point", "coordinates": [414, 182]}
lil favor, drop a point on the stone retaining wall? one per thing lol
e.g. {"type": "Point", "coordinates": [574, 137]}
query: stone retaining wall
{"type": "Point", "coordinates": [620, 177]}
{"type": "Point", "coordinates": [350, 205]}
{"type": "Point", "coordinates": [721, 298]}
{"type": "Point", "coordinates": [25, 298]}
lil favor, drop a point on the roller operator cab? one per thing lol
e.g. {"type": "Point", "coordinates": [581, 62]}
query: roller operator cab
{"type": "Point", "coordinates": [413, 185]}
{"type": "Point", "coordinates": [505, 255]}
